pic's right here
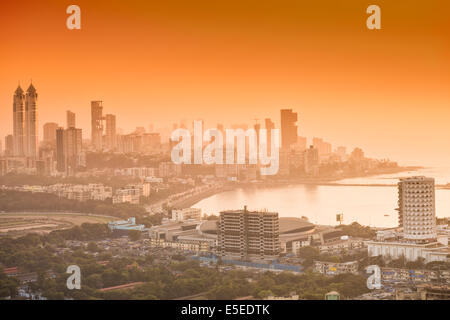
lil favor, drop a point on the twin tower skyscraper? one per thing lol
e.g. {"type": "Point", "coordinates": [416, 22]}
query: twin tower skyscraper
{"type": "Point", "coordinates": [25, 134]}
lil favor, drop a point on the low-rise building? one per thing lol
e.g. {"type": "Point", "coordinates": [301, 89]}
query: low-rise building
{"type": "Point", "coordinates": [342, 244]}
{"type": "Point", "coordinates": [186, 214]}
{"type": "Point", "coordinates": [433, 251]}
{"type": "Point", "coordinates": [334, 268]}
{"type": "Point", "coordinates": [124, 226]}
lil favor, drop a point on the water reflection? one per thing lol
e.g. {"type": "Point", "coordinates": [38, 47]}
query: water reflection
{"type": "Point", "coordinates": [368, 205]}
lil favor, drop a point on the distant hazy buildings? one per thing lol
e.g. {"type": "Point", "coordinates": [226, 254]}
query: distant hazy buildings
{"type": "Point", "coordinates": [342, 153]}
{"type": "Point", "coordinates": [70, 117]}
{"type": "Point", "coordinates": [300, 145]}
{"type": "Point", "coordinates": [312, 161]}
{"type": "Point", "coordinates": [323, 147]}
{"type": "Point", "coordinates": [111, 141]}
{"type": "Point", "coordinates": [3, 167]}
{"type": "Point", "coordinates": [60, 159]}
{"type": "Point", "coordinates": [9, 145]}
{"type": "Point", "coordinates": [97, 125]}
{"type": "Point", "coordinates": [18, 122]}
{"type": "Point", "coordinates": [169, 169]}
{"type": "Point", "coordinates": [248, 235]}
{"type": "Point", "coordinates": [269, 125]}
{"type": "Point", "coordinates": [31, 133]}
{"type": "Point", "coordinates": [131, 193]}
{"type": "Point", "coordinates": [25, 137]}
{"type": "Point", "coordinates": [50, 132]}
{"type": "Point", "coordinates": [68, 149]}
{"type": "Point", "coordinates": [186, 214]}
{"type": "Point", "coordinates": [416, 201]}
{"type": "Point", "coordinates": [288, 128]}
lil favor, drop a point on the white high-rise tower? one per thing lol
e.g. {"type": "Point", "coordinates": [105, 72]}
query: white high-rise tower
{"type": "Point", "coordinates": [416, 200]}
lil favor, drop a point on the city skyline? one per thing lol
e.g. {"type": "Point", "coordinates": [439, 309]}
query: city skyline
{"type": "Point", "coordinates": [104, 133]}
{"type": "Point", "coordinates": [354, 86]}
{"type": "Point", "coordinates": [247, 151]}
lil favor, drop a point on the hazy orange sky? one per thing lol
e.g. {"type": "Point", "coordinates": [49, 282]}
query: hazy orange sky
{"type": "Point", "coordinates": [387, 91]}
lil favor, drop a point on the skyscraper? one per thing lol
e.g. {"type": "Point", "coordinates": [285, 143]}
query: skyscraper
{"type": "Point", "coordinates": [70, 119]}
{"type": "Point", "coordinates": [247, 235]}
{"type": "Point", "coordinates": [288, 128]}
{"type": "Point", "coordinates": [18, 122]}
{"type": "Point", "coordinates": [60, 159]}
{"type": "Point", "coordinates": [68, 149]}
{"type": "Point", "coordinates": [97, 125]}
{"type": "Point", "coordinates": [9, 145]}
{"type": "Point", "coordinates": [416, 201]}
{"type": "Point", "coordinates": [50, 132]}
{"type": "Point", "coordinates": [311, 161]}
{"type": "Point", "coordinates": [269, 127]}
{"type": "Point", "coordinates": [111, 142]}
{"type": "Point", "coordinates": [31, 133]}
{"type": "Point", "coordinates": [72, 147]}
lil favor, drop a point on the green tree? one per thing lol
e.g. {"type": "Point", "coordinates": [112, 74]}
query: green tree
{"type": "Point", "coordinates": [134, 235]}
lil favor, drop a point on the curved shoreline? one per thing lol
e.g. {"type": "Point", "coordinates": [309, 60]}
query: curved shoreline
{"type": "Point", "coordinates": [190, 202]}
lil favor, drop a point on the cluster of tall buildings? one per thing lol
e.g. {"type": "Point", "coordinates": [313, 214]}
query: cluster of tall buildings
{"type": "Point", "coordinates": [99, 122]}
{"type": "Point", "coordinates": [25, 136]}
{"type": "Point", "coordinates": [104, 134]}
{"type": "Point", "coordinates": [62, 150]}
{"type": "Point", "coordinates": [63, 145]}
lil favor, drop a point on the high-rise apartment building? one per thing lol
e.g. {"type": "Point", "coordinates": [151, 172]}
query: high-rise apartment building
{"type": "Point", "coordinates": [111, 141]}
{"type": "Point", "coordinates": [60, 159]}
{"type": "Point", "coordinates": [97, 125]}
{"type": "Point", "coordinates": [18, 122]}
{"type": "Point", "coordinates": [31, 129]}
{"type": "Point", "coordinates": [68, 149]}
{"type": "Point", "coordinates": [3, 167]}
{"type": "Point", "coordinates": [288, 128]}
{"type": "Point", "coordinates": [248, 235]}
{"type": "Point", "coordinates": [300, 145]}
{"type": "Point", "coordinates": [73, 147]}
{"type": "Point", "coordinates": [311, 161]}
{"type": "Point", "coordinates": [9, 145]}
{"type": "Point", "coordinates": [416, 208]}
{"type": "Point", "coordinates": [342, 153]}
{"type": "Point", "coordinates": [50, 132]}
{"type": "Point", "coordinates": [269, 125]}
{"type": "Point", "coordinates": [323, 147]}
{"type": "Point", "coordinates": [70, 117]}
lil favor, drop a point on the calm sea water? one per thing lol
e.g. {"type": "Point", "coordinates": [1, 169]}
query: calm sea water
{"type": "Point", "coordinates": [367, 205]}
{"type": "Point", "coordinates": [440, 174]}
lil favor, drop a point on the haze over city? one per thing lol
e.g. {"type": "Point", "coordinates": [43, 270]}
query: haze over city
{"type": "Point", "coordinates": [158, 63]}
{"type": "Point", "coordinates": [236, 153]}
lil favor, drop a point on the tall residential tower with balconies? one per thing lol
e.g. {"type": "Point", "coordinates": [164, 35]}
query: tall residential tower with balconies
{"type": "Point", "coordinates": [31, 125]}
{"type": "Point", "coordinates": [18, 122]}
{"type": "Point", "coordinates": [248, 235]}
{"type": "Point", "coordinates": [416, 201]}
{"type": "Point", "coordinates": [97, 125]}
